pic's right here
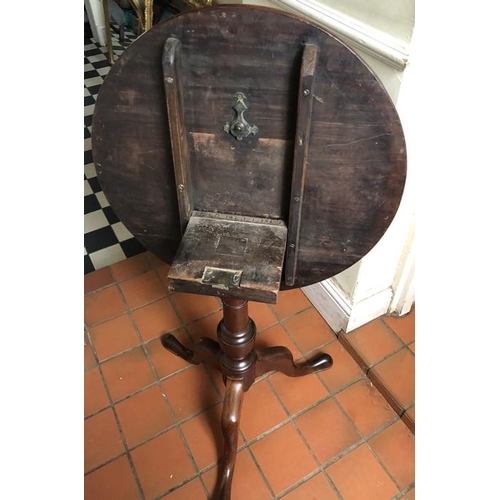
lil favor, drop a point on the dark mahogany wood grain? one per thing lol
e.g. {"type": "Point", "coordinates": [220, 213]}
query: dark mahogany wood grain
{"type": "Point", "coordinates": [356, 158]}
{"type": "Point", "coordinates": [230, 424]}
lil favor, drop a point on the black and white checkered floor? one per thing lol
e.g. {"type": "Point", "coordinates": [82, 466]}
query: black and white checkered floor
{"type": "Point", "coordinates": [106, 239]}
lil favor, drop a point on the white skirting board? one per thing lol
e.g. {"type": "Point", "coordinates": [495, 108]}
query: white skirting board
{"type": "Point", "coordinates": [340, 314]}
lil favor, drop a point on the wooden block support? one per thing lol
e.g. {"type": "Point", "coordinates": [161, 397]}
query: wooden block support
{"type": "Point", "coordinates": [230, 255]}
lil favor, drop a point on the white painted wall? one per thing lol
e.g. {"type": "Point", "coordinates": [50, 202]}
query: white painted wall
{"type": "Point", "coordinates": [395, 18]}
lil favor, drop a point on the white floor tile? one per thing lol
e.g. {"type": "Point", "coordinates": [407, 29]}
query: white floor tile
{"type": "Point", "coordinates": [86, 188]}
{"type": "Point", "coordinates": [122, 233]}
{"type": "Point", "coordinates": [89, 170]}
{"type": "Point", "coordinates": [97, 58]}
{"type": "Point", "coordinates": [103, 71]}
{"type": "Point", "coordinates": [94, 220]}
{"type": "Point", "coordinates": [88, 110]}
{"type": "Point", "coordinates": [107, 256]}
{"type": "Point", "coordinates": [103, 201]}
{"type": "Point", "coordinates": [96, 80]}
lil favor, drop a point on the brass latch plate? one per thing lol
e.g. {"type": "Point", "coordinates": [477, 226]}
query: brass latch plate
{"type": "Point", "coordinates": [221, 278]}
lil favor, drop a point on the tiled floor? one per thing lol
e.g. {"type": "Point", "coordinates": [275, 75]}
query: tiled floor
{"type": "Point", "coordinates": [152, 422]}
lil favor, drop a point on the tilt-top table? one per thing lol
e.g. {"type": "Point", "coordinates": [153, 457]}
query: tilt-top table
{"type": "Point", "coordinates": [254, 152]}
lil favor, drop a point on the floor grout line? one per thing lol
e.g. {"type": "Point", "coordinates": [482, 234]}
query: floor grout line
{"type": "Point", "coordinates": [368, 370]}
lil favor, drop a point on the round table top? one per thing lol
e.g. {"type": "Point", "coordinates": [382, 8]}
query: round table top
{"type": "Point", "coordinates": [355, 167]}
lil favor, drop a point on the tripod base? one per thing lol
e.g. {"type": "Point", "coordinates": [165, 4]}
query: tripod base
{"type": "Point", "coordinates": [240, 364]}
{"type": "Point", "coordinates": [266, 360]}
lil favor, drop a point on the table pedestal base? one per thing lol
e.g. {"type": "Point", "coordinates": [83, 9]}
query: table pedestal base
{"type": "Point", "coordinates": [241, 364]}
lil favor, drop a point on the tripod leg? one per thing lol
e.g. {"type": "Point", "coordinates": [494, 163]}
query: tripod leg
{"type": "Point", "coordinates": [281, 359]}
{"type": "Point", "coordinates": [205, 349]}
{"type": "Point", "coordinates": [230, 424]}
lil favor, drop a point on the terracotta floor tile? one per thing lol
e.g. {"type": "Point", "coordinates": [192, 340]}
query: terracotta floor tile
{"type": "Point", "coordinates": [373, 341]}
{"type": "Point", "coordinates": [395, 446]}
{"type": "Point", "coordinates": [102, 439]}
{"type": "Point", "coordinates": [164, 361]}
{"type": "Point", "coordinates": [290, 302]}
{"type": "Point", "coordinates": [155, 261]}
{"type": "Point", "coordinates": [113, 481]}
{"type": "Point", "coordinates": [309, 330]}
{"type": "Point", "coordinates": [358, 476]}
{"type": "Point", "coordinates": [247, 481]}
{"type": "Point", "coordinates": [127, 373]}
{"type": "Point", "coordinates": [410, 495]}
{"type": "Point", "coordinates": [353, 353]}
{"type": "Point", "coordinates": [133, 266]}
{"type": "Point", "coordinates": [113, 336]}
{"type": "Point", "coordinates": [162, 273]}
{"type": "Point", "coordinates": [192, 307]}
{"type": "Point", "coordinates": [205, 327]}
{"type": "Point", "coordinates": [142, 289]}
{"type": "Point", "coordinates": [102, 305]}
{"type": "Point", "coordinates": [327, 430]}
{"type": "Point", "coordinates": [95, 395]}
{"type": "Point", "coordinates": [297, 393]}
{"type": "Point", "coordinates": [412, 347]}
{"type": "Point", "coordinates": [344, 370]}
{"type": "Point", "coordinates": [143, 415]}
{"type": "Point", "coordinates": [190, 391]}
{"type": "Point", "coordinates": [204, 436]}
{"type": "Point", "coordinates": [97, 279]}
{"type": "Point", "coordinates": [411, 412]}
{"type": "Point", "coordinates": [217, 379]}
{"type": "Point", "coordinates": [410, 424]}
{"type": "Point", "coordinates": [365, 406]}
{"type": "Point", "coordinates": [190, 491]}
{"type": "Point", "coordinates": [316, 488]}
{"type": "Point", "coordinates": [404, 327]}
{"type": "Point", "coordinates": [155, 319]}
{"type": "Point", "coordinates": [283, 458]}
{"type": "Point", "coordinates": [397, 374]}
{"type": "Point", "coordinates": [89, 360]}
{"type": "Point", "coordinates": [162, 463]}
{"type": "Point", "coordinates": [261, 410]}
{"type": "Point", "coordinates": [262, 315]}
{"type": "Point", "coordinates": [277, 336]}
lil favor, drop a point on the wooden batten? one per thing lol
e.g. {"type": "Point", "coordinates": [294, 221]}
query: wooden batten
{"type": "Point", "coordinates": [178, 137]}
{"type": "Point", "coordinates": [302, 134]}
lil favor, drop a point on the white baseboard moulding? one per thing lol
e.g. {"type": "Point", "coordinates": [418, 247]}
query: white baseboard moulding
{"type": "Point", "coordinates": [339, 312]}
